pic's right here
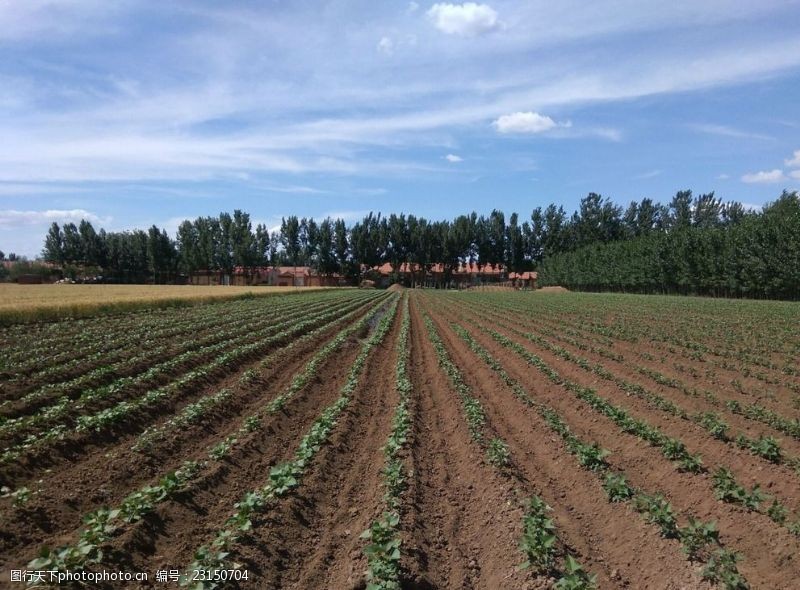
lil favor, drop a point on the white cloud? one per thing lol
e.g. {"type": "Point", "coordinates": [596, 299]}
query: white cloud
{"type": "Point", "coordinates": [413, 6]}
{"type": "Point", "coordinates": [725, 131]}
{"type": "Point", "coordinates": [795, 174]}
{"type": "Point", "coordinates": [467, 20]}
{"type": "Point", "coordinates": [794, 161]}
{"type": "Point", "coordinates": [13, 218]}
{"type": "Point", "coordinates": [386, 46]}
{"type": "Point", "coordinates": [649, 174]}
{"type": "Point", "coordinates": [527, 122]}
{"type": "Point", "coordinates": [723, 177]}
{"type": "Point", "coordinates": [764, 177]}
{"type": "Point", "coordinates": [453, 158]}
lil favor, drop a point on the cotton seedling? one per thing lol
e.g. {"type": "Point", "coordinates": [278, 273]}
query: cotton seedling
{"type": "Point", "coordinates": [721, 569]}
{"type": "Point", "coordinates": [777, 512]}
{"type": "Point", "coordinates": [617, 488]}
{"type": "Point", "coordinates": [691, 463]}
{"type": "Point", "coordinates": [728, 490]}
{"type": "Point", "coordinates": [498, 453]}
{"type": "Point", "coordinates": [538, 536]}
{"type": "Point", "coordinates": [575, 577]}
{"type": "Point", "coordinates": [767, 447]}
{"type": "Point", "coordinates": [592, 456]}
{"type": "Point", "coordinates": [383, 553]}
{"type": "Point", "coordinates": [19, 497]}
{"type": "Point", "coordinates": [658, 510]}
{"type": "Point", "coordinates": [697, 535]}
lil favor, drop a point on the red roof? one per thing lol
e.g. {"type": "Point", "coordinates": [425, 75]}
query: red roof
{"type": "Point", "coordinates": [469, 268]}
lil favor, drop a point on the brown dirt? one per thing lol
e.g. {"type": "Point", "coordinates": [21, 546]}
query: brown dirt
{"type": "Point", "coordinates": [72, 489]}
{"type": "Point", "coordinates": [645, 466]}
{"type": "Point", "coordinates": [555, 289]}
{"type": "Point", "coordinates": [396, 287]}
{"type": "Point", "coordinates": [461, 517]}
{"type": "Point", "coordinates": [604, 536]}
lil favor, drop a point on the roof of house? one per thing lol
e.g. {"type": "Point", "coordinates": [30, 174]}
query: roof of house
{"type": "Point", "coordinates": [438, 267]}
{"type": "Point", "coordinates": [525, 276]}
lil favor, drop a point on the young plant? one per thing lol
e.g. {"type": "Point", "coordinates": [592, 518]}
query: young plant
{"type": "Point", "coordinates": [383, 553]}
{"type": "Point", "coordinates": [617, 487]}
{"type": "Point", "coordinates": [498, 453]}
{"type": "Point", "coordinates": [715, 425]}
{"type": "Point", "coordinates": [658, 510]}
{"type": "Point", "coordinates": [592, 456]}
{"type": "Point", "coordinates": [697, 535]}
{"type": "Point", "coordinates": [575, 577]}
{"type": "Point", "coordinates": [721, 569]}
{"type": "Point", "coordinates": [767, 447]}
{"type": "Point", "coordinates": [538, 536]}
{"type": "Point", "coordinates": [20, 496]}
{"type": "Point", "coordinates": [777, 512]}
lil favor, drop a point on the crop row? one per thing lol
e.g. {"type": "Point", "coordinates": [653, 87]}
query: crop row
{"type": "Point", "coordinates": [383, 550]}
{"type": "Point", "coordinates": [114, 380]}
{"type": "Point", "coordinates": [754, 500]}
{"type": "Point", "coordinates": [124, 410]}
{"type": "Point", "coordinates": [744, 355]}
{"type": "Point", "coordinates": [93, 399]}
{"type": "Point", "coordinates": [60, 355]}
{"type": "Point", "coordinates": [539, 538]}
{"type": "Point", "coordinates": [88, 549]}
{"type": "Point", "coordinates": [672, 449]}
{"type": "Point", "coordinates": [118, 343]}
{"type": "Point", "coordinates": [764, 446]}
{"type": "Point", "coordinates": [230, 326]}
{"type": "Point", "coordinates": [283, 478]}
{"type": "Point", "coordinates": [692, 350]}
{"type": "Point", "coordinates": [633, 325]}
{"type": "Point", "coordinates": [62, 339]}
{"type": "Point", "coordinates": [697, 538]}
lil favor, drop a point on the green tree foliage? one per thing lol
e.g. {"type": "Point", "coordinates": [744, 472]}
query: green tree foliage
{"type": "Point", "coordinates": [758, 255]}
{"type": "Point", "coordinates": [692, 245]}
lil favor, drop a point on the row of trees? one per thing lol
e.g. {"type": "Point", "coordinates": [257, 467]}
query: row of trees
{"type": "Point", "coordinates": [758, 256]}
{"type": "Point", "coordinates": [549, 240]}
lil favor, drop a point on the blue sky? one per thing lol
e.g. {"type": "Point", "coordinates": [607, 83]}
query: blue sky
{"type": "Point", "coordinates": [131, 113]}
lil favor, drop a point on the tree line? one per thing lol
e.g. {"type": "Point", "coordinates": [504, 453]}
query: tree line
{"type": "Point", "coordinates": [599, 246]}
{"type": "Point", "coordinates": [758, 256]}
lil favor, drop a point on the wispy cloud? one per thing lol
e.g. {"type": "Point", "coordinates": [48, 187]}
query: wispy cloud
{"type": "Point", "coordinates": [726, 131]}
{"type": "Point", "coordinates": [452, 158]}
{"type": "Point", "coordinates": [649, 174]}
{"type": "Point", "coordinates": [764, 177]}
{"type": "Point", "coordinates": [14, 218]}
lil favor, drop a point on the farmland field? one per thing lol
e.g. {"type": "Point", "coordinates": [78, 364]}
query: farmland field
{"type": "Point", "coordinates": [26, 302]}
{"type": "Point", "coordinates": [408, 439]}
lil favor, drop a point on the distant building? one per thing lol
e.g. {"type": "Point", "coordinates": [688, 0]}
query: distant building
{"type": "Point", "coordinates": [523, 280]}
{"type": "Point", "coordinates": [459, 276]}
{"type": "Point", "coordinates": [276, 276]}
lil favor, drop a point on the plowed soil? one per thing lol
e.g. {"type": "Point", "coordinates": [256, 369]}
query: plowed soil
{"type": "Point", "coordinates": [461, 515]}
